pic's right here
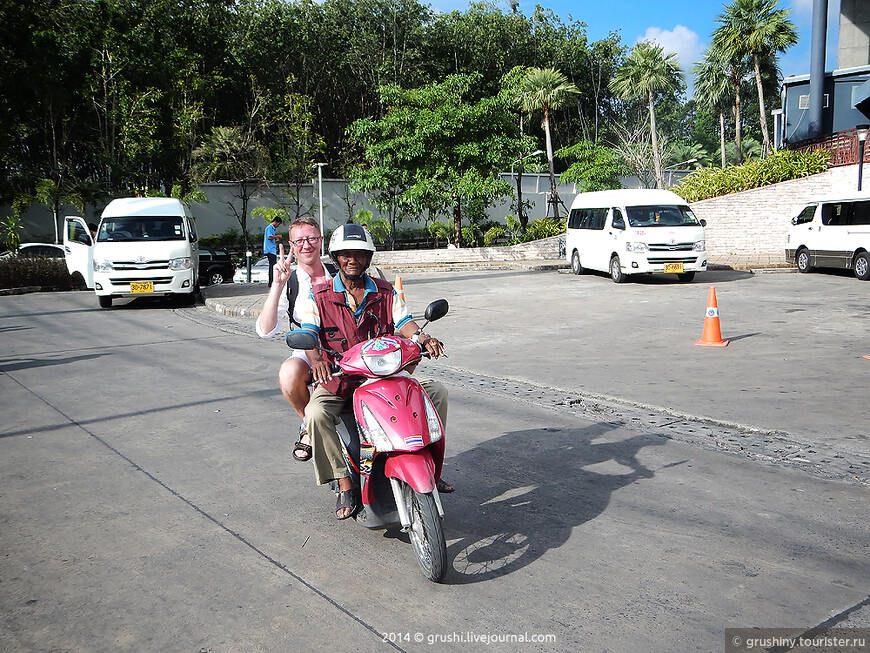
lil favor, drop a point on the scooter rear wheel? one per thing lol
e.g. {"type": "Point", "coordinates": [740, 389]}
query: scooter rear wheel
{"type": "Point", "coordinates": [426, 534]}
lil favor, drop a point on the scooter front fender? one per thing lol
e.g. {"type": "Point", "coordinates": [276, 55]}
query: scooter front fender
{"type": "Point", "coordinates": [416, 469]}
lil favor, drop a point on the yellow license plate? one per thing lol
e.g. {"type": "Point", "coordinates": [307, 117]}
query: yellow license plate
{"type": "Point", "coordinates": [143, 286]}
{"type": "Point", "coordinates": [674, 267]}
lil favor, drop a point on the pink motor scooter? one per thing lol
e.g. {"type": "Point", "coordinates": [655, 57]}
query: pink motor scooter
{"type": "Point", "coordinates": [394, 440]}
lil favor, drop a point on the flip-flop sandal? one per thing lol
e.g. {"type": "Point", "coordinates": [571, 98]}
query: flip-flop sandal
{"type": "Point", "coordinates": [305, 449]}
{"type": "Point", "coordinates": [444, 487]}
{"type": "Point", "coordinates": [346, 499]}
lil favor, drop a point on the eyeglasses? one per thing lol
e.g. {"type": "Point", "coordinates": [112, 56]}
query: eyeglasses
{"type": "Point", "coordinates": [311, 240]}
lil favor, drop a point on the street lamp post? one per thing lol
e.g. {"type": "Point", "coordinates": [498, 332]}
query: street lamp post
{"type": "Point", "coordinates": [523, 158]}
{"type": "Point", "coordinates": [319, 167]}
{"type": "Point", "coordinates": [862, 136]}
{"type": "Point", "coordinates": [671, 170]}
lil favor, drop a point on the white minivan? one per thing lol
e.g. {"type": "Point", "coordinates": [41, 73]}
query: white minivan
{"type": "Point", "coordinates": [635, 231]}
{"type": "Point", "coordinates": [832, 233]}
{"type": "Point", "coordinates": [144, 246]}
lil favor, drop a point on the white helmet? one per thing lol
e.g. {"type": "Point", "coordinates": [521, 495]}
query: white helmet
{"type": "Point", "coordinates": [350, 236]}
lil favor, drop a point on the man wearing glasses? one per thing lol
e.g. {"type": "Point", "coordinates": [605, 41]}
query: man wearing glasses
{"type": "Point", "coordinates": [305, 239]}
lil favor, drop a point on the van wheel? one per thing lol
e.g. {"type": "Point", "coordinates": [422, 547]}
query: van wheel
{"type": "Point", "coordinates": [862, 266]}
{"type": "Point", "coordinates": [686, 276]}
{"type": "Point", "coordinates": [803, 260]}
{"type": "Point", "coordinates": [576, 268]}
{"type": "Point", "coordinates": [105, 301]}
{"type": "Point", "coordinates": [616, 271]}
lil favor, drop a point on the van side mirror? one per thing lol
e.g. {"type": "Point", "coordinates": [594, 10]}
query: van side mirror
{"type": "Point", "coordinates": [794, 221]}
{"type": "Point", "coordinates": [84, 238]}
{"type": "Point", "coordinates": [703, 222]}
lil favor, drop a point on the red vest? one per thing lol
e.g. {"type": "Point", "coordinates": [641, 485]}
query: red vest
{"type": "Point", "coordinates": [340, 329]}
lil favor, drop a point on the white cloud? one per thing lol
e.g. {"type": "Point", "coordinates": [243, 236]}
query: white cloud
{"type": "Point", "coordinates": [680, 40]}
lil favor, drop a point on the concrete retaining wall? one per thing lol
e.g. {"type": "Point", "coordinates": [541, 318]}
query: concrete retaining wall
{"type": "Point", "coordinates": [548, 248]}
{"type": "Point", "coordinates": [757, 221]}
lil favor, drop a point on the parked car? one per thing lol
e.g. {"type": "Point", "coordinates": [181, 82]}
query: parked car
{"type": "Point", "coordinates": [40, 250]}
{"type": "Point", "coordinates": [259, 272]}
{"type": "Point", "coordinates": [215, 266]}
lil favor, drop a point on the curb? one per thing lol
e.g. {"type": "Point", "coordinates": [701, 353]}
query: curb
{"type": "Point", "coordinates": [25, 289]}
{"type": "Point", "coordinates": [231, 311]}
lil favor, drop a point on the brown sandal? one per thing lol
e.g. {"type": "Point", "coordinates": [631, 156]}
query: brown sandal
{"type": "Point", "coordinates": [305, 449]}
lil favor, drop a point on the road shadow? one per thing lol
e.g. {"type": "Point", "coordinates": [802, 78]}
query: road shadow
{"type": "Point", "coordinates": [30, 363]}
{"type": "Point", "coordinates": [701, 278]}
{"type": "Point", "coordinates": [538, 485]}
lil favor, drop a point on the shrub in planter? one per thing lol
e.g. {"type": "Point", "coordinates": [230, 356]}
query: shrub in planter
{"type": "Point", "coordinates": [779, 166]}
{"type": "Point", "coordinates": [43, 272]}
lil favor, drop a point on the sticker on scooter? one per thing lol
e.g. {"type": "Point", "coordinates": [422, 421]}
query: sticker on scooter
{"type": "Point", "coordinates": [379, 344]}
{"type": "Point", "coordinates": [414, 441]}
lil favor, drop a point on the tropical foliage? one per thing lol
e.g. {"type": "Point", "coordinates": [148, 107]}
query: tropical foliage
{"type": "Point", "coordinates": [779, 166]}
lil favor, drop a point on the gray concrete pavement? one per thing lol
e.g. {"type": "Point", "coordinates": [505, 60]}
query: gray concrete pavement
{"type": "Point", "coordinates": [148, 500]}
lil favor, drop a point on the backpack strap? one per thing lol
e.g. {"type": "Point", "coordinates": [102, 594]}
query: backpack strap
{"type": "Point", "coordinates": [292, 294]}
{"type": "Point", "coordinates": [293, 290]}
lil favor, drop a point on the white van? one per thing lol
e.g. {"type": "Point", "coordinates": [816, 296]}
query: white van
{"type": "Point", "coordinates": [144, 246]}
{"type": "Point", "coordinates": [635, 231]}
{"type": "Point", "coordinates": [832, 233]}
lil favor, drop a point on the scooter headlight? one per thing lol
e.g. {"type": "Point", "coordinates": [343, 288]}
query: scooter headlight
{"type": "Point", "coordinates": [383, 364]}
{"type": "Point", "coordinates": [435, 432]}
{"type": "Point", "coordinates": [372, 431]}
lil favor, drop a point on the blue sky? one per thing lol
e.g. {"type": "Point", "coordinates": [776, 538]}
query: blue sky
{"type": "Point", "coordinates": [682, 26]}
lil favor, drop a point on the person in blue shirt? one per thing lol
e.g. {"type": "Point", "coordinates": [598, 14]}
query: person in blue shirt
{"type": "Point", "coordinates": [270, 244]}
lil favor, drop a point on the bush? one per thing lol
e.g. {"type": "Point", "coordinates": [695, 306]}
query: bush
{"type": "Point", "coordinates": [43, 272]}
{"type": "Point", "coordinates": [779, 166]}
{"type": "Point", "coordinates": [538, 229]}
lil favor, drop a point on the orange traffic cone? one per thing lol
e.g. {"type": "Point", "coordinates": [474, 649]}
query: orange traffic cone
{"type": "Point", "coordinates": [400, 291]}
{"type": "Point", "coordinates": [712, 336]}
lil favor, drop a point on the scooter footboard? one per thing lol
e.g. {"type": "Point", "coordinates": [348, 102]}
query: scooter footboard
{"type": "Point", "coordinates": [416, 469]}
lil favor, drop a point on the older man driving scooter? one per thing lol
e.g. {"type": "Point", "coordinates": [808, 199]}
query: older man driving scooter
{"type": "Point", "coordinates": [349, 309]}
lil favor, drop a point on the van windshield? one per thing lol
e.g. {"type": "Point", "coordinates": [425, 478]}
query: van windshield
{"type": "Point", "coordinates": [661, 216]}
{"type": "Point", "coordinates": [141, 228]}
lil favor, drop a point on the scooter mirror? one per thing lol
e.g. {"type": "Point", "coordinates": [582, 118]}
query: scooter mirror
{"type": "Point", "coordinates": [436, 310]}
{"type": "Point", "coordinates": [301, 340]}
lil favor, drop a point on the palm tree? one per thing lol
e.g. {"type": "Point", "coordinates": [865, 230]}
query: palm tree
{"type": "Point", "coordinates": [543, 89]}
{"type": "Point", "coordinates": [758, 29]}
{"type": "Point", "coordinates": [648, 71]}
{"type": "Point", "coordinates": [712, 89]}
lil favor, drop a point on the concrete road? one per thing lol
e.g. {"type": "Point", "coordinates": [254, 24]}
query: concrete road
{"type": "Point", "coordinates": [148, 500]}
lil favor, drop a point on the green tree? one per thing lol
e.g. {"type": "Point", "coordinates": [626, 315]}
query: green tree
{"type": "Point", "coordinates": [234, 155]}
{"type": "Point", "coordinates": [436, 147]}
{"type": "Point", "coordinates": [755, 28]}
{"type": "Point", "coordinates": [596, 167]}
{"type": "Point", "coordinates": [713, 90]}
{"type": "Point", "coordinates": [647, 72]}
{"type": "Point", "coordinates": [544, 89]}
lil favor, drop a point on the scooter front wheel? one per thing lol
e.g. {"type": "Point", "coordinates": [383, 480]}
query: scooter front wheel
{"type": "Point", "coordinates": [426, 533]}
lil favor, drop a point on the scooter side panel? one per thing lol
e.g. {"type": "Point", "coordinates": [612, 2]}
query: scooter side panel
{"type": "Point", "coordinates": [416, 469]}
{"type": "Point", "coordinates": [397, 403]}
